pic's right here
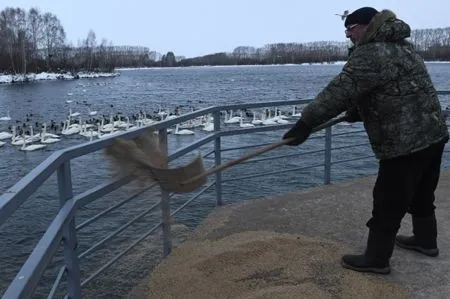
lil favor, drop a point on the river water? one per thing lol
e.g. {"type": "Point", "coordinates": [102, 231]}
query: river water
{"type": "Point", "coordinates": [149, 90]}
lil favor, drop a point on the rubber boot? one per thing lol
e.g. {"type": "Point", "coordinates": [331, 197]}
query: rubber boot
{"type": "Point", "coordinates": [423, 239]}
{"type": "Point", "coordinates": [376, 257]}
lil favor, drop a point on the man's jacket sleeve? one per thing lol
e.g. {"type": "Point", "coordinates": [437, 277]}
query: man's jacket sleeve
{"type": "Point", "coordinates": [360, 75]}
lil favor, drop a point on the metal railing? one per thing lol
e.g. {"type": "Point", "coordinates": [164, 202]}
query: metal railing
{"type": "Point", "coordinates": [63, 230]}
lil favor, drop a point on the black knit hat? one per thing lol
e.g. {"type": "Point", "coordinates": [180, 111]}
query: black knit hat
{"type": "Point", "coordinates": [361, 16]}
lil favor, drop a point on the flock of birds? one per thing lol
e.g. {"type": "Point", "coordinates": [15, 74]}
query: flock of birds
{"type": "Point", "coordinates": [29, 136]}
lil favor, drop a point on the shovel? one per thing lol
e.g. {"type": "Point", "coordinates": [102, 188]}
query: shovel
{"type": "Point", "coordinates": [188, 178]}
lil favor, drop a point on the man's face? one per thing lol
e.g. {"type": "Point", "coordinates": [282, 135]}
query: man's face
{"type": "Point", "coordinates": [355, 32]}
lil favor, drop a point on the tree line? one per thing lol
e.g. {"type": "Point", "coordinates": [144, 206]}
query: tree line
{"type": "Point", "coordinates": [35, 41]}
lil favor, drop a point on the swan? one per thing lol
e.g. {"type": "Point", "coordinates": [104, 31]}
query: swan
{"type": "Point", "coordinates": [117, 123]}
{"type": "Point", "coordinates": [45, 134]}
{"type": "Point", "coordinates": [49, 139]}
{"type": "Point", "coordinates": [279, 114]}
{"type": "Point", "coordinates": [74, 114]}
{"type": "Point", "coordinates": [5, 135]}
{"type": "Point", "coordinates": [92, 113]}
{"type": "Point", "coordinates": [171, 116]}
{"type": "Point", "coordinates": [182, 132]}
{"type": "Point", "coordinates": [68, 130]}
{"type": "Point", "coordinates": [2, 143]}
{"type": "Point", "coordinates": [269, 120]}
{"type": "Point", "coordinates": [161, 112]}
{"type": "Point", "coordinates": [33, 137]}
{"type": "Point", "coordinates": [6, 118]}
{"type": "Point", "coordinates": [244, 125]}
{"type": "Point", "coordinates": [232, 119]}
{"type": "Point", "coordinates": [295, 113]}
{"type": "Point", "coordinates": [208, 126]}
{"type": "Point", "coordinates": [126, 125]}
{"type": "Point", "coordinates": [20, 141]}
{"type": "Point", "coordinates": [31, 147]}
{"type": "Point", "coordinates": [256, 121]}
{"type": "Point", "coordinates": [280, 118]}
{"type": "Point", "coordinates": [108, 128]}
{"type": "Point", "coordinates": [104, 135]}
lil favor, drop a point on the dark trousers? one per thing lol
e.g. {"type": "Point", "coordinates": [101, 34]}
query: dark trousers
{"type": "Point", "coordinates": [405, 184]}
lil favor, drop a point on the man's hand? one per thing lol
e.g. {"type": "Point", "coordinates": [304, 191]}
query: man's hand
{"type": "Point", "coordinates": [300, 131]}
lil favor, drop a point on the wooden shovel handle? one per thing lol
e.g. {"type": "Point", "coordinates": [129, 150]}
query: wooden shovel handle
{"type": "Point", "coordinates": [259, 151]}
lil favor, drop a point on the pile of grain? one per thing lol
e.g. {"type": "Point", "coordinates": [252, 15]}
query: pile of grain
{"type": "Point", "coordinates": [261, 264]}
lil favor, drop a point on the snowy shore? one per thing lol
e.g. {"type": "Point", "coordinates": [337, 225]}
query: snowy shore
{"type": "Point", "coordinates": [30, 77]}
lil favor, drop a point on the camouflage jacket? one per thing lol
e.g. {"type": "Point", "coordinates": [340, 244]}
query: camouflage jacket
{"type": "Point", "coordinates": [388, 83]}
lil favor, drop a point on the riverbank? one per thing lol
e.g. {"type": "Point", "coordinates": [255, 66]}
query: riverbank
{"type": "Point", "coordinates": [31, 77]}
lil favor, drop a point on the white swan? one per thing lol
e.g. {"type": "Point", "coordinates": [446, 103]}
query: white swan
{"type": "Point", "coordinates": [108, 128]}
{"type": "Point", "coordinates": [31, 147]}
{"type": "Point", "coordinates": [19, 140]}
{"type": "Point", "coordinates": [33, 137]}
{"type": "Point", "coordinates": [45, 134]}
{"type": "Point", "coordinates": [280, 118]}
{"type": "Point", "coordinates": [256, 121]}
{"type": "Point", "coordinates": [126, 125]}
{"type": "Point", "coordinates": [244, 125]}
{"type": "Point", "coordinates": [92, 112]}
{"type": "Point", "coordinates": [68, 130]}
{"type": "Point", "coordinates": [2, 143]}
{"type": "Point", "coordinates": [208, 126]}
{"type": "Point", "coordinates": [5, 135]}
{"type": "Point", "coordinates": [48, 139]}
{"type": "Point", "coordinates": [231, 119]}
{"type": "Point", "coordinates": [171, 116]}
{"type": "Point", "coordinates": [161, 112]}
{"type": "Point", "coordinates": [295, 113]}
{"type": "Point", "coordinates": [268, 121]}
{"type": "Point", "coordinates": [6, 118]}
{"type": "Point", "coordinates": [74, 114]}
{"type": "Point", "coordinates": [182, 132]}
{"type": "Point", "coordinates": [104, 135]}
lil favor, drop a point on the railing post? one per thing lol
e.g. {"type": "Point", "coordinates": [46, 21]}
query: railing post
{"type": "Point", "coordinates": [69, 238]}
{"type": "Point", "coordinates": [165, 200]}
{"type": "Point", "coordinates": [327, 170]}
{"type": "Point", "coordinates": [218, 158]}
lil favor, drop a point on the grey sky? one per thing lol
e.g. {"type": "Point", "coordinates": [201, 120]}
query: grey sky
{"type": "Point", "coordinates": [198, 27]}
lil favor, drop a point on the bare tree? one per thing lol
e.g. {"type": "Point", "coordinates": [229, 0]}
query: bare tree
{"type": "Point", "coordinates": [54, 36]}
{"type": "Point", "coordinates": [35, 33]}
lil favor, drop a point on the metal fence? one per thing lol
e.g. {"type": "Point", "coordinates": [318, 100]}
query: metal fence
{"type": "Point", "coordinates": [62, 232]}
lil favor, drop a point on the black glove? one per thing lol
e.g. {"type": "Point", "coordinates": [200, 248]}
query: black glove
{"type": "Point", "coordinates": [352, 115]}
{"type": "Point", "coordinates": [300, 131]}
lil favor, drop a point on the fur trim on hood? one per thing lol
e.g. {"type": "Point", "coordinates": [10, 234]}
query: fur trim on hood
{"type": "Point", "coordinates": [385, 27]}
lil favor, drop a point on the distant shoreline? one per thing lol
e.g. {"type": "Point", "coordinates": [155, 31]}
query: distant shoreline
{"type": "Point", "coordinates": [248, 65]}
{"type": "Point", "coordinates": [32, 77]}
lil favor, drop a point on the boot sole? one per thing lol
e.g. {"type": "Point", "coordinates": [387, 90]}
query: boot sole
{"type": "Point", "coordinates": [427, 252]}
{"type": "Point", "coordinates": [384, 271]}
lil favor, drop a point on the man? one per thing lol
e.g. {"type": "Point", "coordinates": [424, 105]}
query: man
{"type": "Point", "coordinates": [386, 84]}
